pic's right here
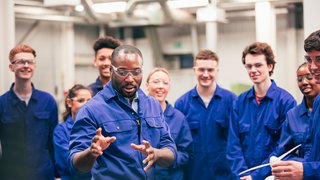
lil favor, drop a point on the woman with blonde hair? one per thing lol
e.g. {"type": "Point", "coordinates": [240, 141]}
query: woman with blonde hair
{"type": "Point", "coordinates": [158, 84]}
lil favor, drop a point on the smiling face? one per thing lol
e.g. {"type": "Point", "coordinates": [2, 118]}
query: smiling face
{"type": "Point", "coordinates": [257, 68]}
{"type": "Point", "coordinates": [158, 85]}
{"type": "Point", "coordinates": [102, 61]}
{"type": "Point", "coordinates": [23, 66]}
{"type": "Point", "coordinates": [307, 83]}
{"type": "Point", "coordinates": [75, 103]}
{"type": "Point", "coordinates": [206, 72]}
{"type": "Point", "coordinates": [314, 64]}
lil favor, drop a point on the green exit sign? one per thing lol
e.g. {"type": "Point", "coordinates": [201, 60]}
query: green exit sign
{"type": "Point", "coordinates": [177, 45]}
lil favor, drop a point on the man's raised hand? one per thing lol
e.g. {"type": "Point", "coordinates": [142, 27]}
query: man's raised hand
{"type": "Point", "coordinates": [147, 150]}
{"type": "Point", "coordinates": [100, 143]}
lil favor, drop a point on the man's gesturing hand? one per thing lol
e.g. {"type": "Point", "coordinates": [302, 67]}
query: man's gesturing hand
{"type": "Point", "coordinates": [147, 150]}
{"type": "Point", "coordinates": [100, 143]}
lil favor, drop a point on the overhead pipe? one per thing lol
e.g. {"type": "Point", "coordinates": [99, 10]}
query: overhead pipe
{"type": "Point", "coordinates": [88, 9]}
{"type": "Point", "coordinates": [132, 4]}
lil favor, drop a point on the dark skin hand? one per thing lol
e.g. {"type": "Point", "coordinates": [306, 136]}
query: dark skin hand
{"type": "Point", "coordinates": [164, 157]}
{"type": "Point", "coordinates": [84, 160]}
{"type": "Point", "coordinates": [100, 143]}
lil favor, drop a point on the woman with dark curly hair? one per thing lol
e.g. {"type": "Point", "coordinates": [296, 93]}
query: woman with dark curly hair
{"type": "Point", "coordinates": [77, 96]}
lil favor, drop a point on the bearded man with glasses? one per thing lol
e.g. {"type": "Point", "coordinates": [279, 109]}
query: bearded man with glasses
{"type": "Point", "coordinates": [28, 117]}
{"type": "Point", "coordinates": [121, 132]}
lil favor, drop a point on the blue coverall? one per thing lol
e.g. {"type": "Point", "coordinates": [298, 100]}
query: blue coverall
{"type": "Point", "coordinates": [96, 86]}
{"type": "Point", "coordinates": [209, 128]}
{"type": "Point", "coordinates": [295, 131]}
{"type": "Point", "coordinates": [61, 138]}
{"type": "Point", "coordinates": [311, 164]}
{"type": "Point", "coordinates": [26, 136]}
{"type": "Point", "coordinates": [180, 132]}
{"type": "Point", "coordinates": [255, 129]}
{"type": "Point", "coordinates": [111, 112]}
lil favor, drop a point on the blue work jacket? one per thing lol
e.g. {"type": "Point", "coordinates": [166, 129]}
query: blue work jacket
{"type": "Point", "coordinates": [311, 164]}
{"type": "Point", "coordinates": [61, 138]}
{"type": "Point", "coordinates": [295, 131]}
{"type": "Point", "coordinates": [112, 113]}
{"type": "Point", "coordinates": [255, 129]}
{"type": "Point", "coordinates": [26, 136]}
{"type": "Point", "coordinates": [96, 86]}
{"type": "Point", "coordinates": [209, 128]}
{"type": "Point", "coordinates": [181, 135]}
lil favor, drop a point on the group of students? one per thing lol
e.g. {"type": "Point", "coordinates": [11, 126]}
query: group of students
{"type": "Point", "coordinates": [113, 130]}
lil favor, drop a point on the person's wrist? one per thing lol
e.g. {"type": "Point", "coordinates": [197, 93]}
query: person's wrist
{"type": "Point", "coordinates": [157, 154]}
{"type": "Point", "coordinates": [91, 153]}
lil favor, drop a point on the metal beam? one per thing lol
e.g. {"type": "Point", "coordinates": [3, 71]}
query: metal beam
{"type": "Point", "coordinates": [154, 41]}
{"type": "Point", "coordinates": [132, 4]}
{"type": "Point", "coordinates": [166, 10]}
{"type": "Point", "coordinates": [235, 5]}
{"type": "Point", "coordinates": [28, 3]}
{"type": "Point", "coordinates": [87, 4]}
{"type": "Point", "coordinates": [36, 10]}
{"type": "Point", "coordinates": [29, 32]}
{"type": "Point", "coordinates": [59, 18]}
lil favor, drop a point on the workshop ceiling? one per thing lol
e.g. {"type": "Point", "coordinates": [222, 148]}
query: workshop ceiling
{"type": "Point", "coordinates": [132, 13]}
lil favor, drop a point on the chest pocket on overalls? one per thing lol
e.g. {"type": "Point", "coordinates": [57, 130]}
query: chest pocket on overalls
{"type": "Point", "coordinates": [115, 127]}
{"type": "Point", "coordinates": [274, 131]}
{"type": "Point", "coordinates": [154, 129]}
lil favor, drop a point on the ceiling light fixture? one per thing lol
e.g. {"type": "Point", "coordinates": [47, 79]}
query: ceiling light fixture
{"type": "Point", "coordinates": [211, 13]}
{"type": "Point", "coordinates": [187, 3]}
{"type": "Point", "coordinates": [79, 8]}
{"type": "Point", "coordinates": [111, 7]}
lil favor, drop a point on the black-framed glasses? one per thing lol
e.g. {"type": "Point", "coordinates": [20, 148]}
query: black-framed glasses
{"type": "Point", "coordinates": [315, 59]}
{"type": "Point", "coordinates": [256, 65]}
{"type": "Point", "coordinates": [80, 100]}
{"type": "Point", "coordinates": [125, 72]}
{"type": "Point", "coordinates": [22, 62]}
{"type": "Point", "coordinates": [308, 76]}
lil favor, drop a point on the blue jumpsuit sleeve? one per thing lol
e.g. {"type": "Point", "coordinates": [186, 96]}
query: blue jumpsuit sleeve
{"type": "Point", "coordinates": [234, 149]}
{"type": "Point", "coordinates": [308, 144]}
{"type": "Point", "coordinates": [82, 132]}
{"type": "Point", "coordinates": [1, 109]}
{"type": "Point", "coordinates": [285, 139]}
{"type": "Point", "coordinates": [288, 104]}
{"type": "Point", "coordinates": [178, 105]}
{"type": "Point", "coordinates": [61, 150]}
{"type": "Point", "coordinates": [184, 145]}
{"type": "Point", "coordinates": [167, 141]}
{"type": "Point", "coordinates": [311, 170]}
{"type": "Point", "coordinates": [313, 117]}
{"type": "Point", "coordinates": [53, 118]}
{"type": "Point", "coordinates": [53, 123]}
